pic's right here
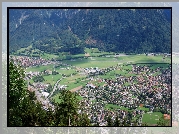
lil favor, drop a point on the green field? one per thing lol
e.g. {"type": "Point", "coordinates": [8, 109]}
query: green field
{"type": "Point", "coordinates": [143, 109]}
{"type": "Point", "coordinates": [146, 59]}
{"type": "Point", "coordinates": [73, 81]}
{"type": "Point", "coordinates": [48, 56]}
{"type": "Point", "coordinates": [101, 62]}
{"type": "Point", "coordinates": [111, 106]}
{"type": "Point", "coordinates": [65, 71]}
{"type": "Point", "coordinates": [85, 63]}
{"type": "Point", "coordinates": [40, 68]}
{"type": "Point", "coordinates": [155, 65]}
{"type": "Point", "coordinates": [114, 107]}
{"type": "Point", "coordinates": [151, 118]}
{"type": "Point", "coordinates": [52, 79]}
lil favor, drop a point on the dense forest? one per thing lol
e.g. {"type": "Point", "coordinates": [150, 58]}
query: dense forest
{"type": "Point", "coordinates": [70, 30]}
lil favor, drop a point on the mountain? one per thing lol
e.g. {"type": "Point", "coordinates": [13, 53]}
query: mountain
{"type": "Point", "coordinates": [70, 30]}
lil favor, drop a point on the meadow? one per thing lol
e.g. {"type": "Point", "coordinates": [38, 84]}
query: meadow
{"type": "Point", "coordinates": [40, 68]}
{"type": "Point", "coordinates": [52, 79]}
{"type": "Point", "coordinates": [151, 118]}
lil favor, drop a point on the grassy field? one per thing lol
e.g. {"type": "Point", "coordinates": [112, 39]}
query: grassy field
{"type": "Point", "coordinates": [52, 79]}
{"type": "Point", "coordinates": [40, 68]}
{"type": "Point", "coordinates": [113, 107]}
{"type": "Point", "coordinates": [65, 71]}
{"type": "Point", "coordinates": [48, 56]}
{"type": "Point", "coordinates": [96, 83]}
{"type": "Point", "coordinates": [123, 70]}
{"type": "Point", "coordinates": [73, 81]}
{"type": "Point", "coordinates": [85, 63]}
{"type": "Point", "coordinates": [146, 59]}
{"type": "Point", "coordinates": [151, 118]}
{"type": "Point", "coordinates": [143, 109]}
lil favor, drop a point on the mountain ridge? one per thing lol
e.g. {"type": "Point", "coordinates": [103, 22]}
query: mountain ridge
{"type": "Point", "coordinates": [124, 30]}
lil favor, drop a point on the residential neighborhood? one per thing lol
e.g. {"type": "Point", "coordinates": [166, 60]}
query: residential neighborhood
{"type": "Point", "coordinates": [126, 98]}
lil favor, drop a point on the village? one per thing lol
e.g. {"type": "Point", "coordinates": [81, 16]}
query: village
{"type": "Point", "coordinates": [143, 91]}
{"type": "Point", "coordinates": [142, 94]}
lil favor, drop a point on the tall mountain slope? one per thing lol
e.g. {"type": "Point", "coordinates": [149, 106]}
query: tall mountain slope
{"type": "Point", "coordinates": [117, 30]}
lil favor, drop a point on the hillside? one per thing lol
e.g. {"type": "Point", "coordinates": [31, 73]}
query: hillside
{"type": "Point", "coordinates": [112, 30]}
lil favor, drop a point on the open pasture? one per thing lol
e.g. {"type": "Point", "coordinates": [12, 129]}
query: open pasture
{"type": "Point", "coordinates": [86, 63]}
{"type": "Point", "coordinates": [65, 71]}
{"type": "Point", "coordinates": [52, 79]}
{"type": "Point", "coordinates": [146, 59]}
{"type": "Point", "coordinates": [73, 81]}
{"type": "Point", "coordinates": [40, 68]}
{"type": "Point", "coordinates": [151, 118]}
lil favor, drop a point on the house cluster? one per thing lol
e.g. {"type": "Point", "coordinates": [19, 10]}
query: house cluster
{"type": "Point", "coordinates": [40, 86]}
{"type": "Point", "coordinates": [30, 75]}
{"type": "Point", "coordinates": [91, 71]}
{"type": "Point", "coordinates": [30, 61]}
{"type": "Point", "coordinates": [42, 96]}
{"type": "Point", "coordinates": [62, 87]}
{"type": "Point", "coordinates": [154, 91]}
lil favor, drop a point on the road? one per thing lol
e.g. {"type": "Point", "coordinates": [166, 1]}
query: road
{"type": "Point", "coordinates": [55, 87]}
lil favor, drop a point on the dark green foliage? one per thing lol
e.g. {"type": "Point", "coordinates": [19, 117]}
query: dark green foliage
{"type": "Point", "coordinates": [66, 111]}
{"type": "Point", "coordinates": [49, 89]}
{"type": "Point", "coordinates": [109, 120]}
{"type": "Point", "coordinates": [24, 109]}
{"type": "Point", "coordinates": [117, 122]}
{"type": "Point", "coordinates": [17, 89]}
{"type": "Point", "coordinates": [54, 73]}
{"type": "Point", "coordinates": [34, 115]}
{"type": "Point", "coordinates": [38, 79]}
{"type": "Point", "coordinates": [124, 30]}
{"type": "Point", "coordinates": [163, 122]}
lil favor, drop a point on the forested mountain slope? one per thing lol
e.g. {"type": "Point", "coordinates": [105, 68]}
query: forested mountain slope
{"type": "Point", "coordinates": [70, 30]}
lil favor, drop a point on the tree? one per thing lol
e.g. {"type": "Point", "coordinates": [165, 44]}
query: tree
{"type": "Point", "coordinates": [117, 122]}
{"type": "Point", "coordinates": [24, 108]}
{"type": "Point", "coordinates": [49, 88]}
{"type": "Point", "coordinates": [66, 112]}
{"type": "Point", "coordinates": [67, 108]}
{"type": "Point", "coordinates": [163, 122]}
{"type": "Point", "coordinates": [109, 120]}
{"type": "Point", "coordinates": [17, 93]}
{"type": "Point", "coordinates": [38, 79]}
{"type": "Point", "coordinates": [17, 84]}
{"type": "Point", "coordinates": [83, 120]}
